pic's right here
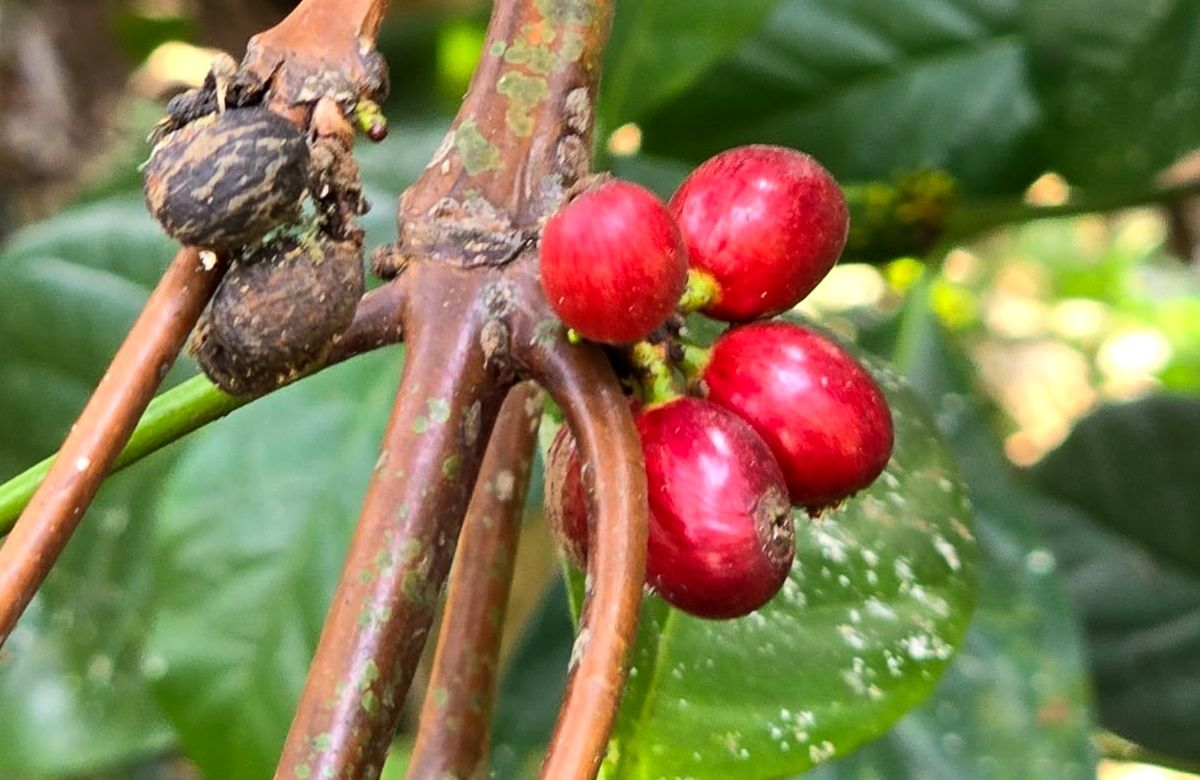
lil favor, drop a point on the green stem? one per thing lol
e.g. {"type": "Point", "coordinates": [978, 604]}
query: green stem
{"type": "Point", "coordinates": [971, 219]}
{"type": "Point", "coordinates": [654, 375]}
{"type": "Point", "coordinates": [701, 290]}
{"type": "Point", "coordinates": [695, 358]}
{"type": "Point", "coordinates": [171, 416]}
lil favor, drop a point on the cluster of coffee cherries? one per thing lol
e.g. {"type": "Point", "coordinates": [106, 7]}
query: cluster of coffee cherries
{"type": "Point", "coordinates": [277, 197]}
{"type": "Point", "coordinates": [772, 415]}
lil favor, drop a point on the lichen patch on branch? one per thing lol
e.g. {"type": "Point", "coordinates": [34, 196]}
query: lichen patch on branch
{"type": "Point", "coordinates": [525, 95]}
{"type": "Point", "coordinates": [477, 154]}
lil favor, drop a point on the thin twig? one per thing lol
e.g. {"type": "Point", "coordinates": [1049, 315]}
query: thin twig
{"type": "Point", "coordinates": [456, 718]}
{"type": "Point", "coordinates": [198, 402]}
{"type": "Point", "coordinates": [582, 382]}
{"type": "Point", "coordinates": [402, 546]}
{"type": "Point", "coordinates": [105, 425]}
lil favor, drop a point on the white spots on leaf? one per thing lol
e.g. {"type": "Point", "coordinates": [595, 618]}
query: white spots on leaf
{"type": "Point", "coordinates": [1040, 561]}
{"type": "Point", "coordinates": [878, 609]}
{"type": "Point", "coordinates": [832, 548]}
{"type": "Point", "coordinates": [852, 637]}
{"type": "Point", "coordinates": [947, 551]}
{"type": "Point", "coordinates": [926, 647]}
{"type": "Point", "coordinates": [821, 753]}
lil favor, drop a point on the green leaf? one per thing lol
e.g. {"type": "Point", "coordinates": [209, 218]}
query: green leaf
{"type": "Point", "coordinates": [872, 89]}
{"type": "Point", "coordinates": [1126, 532]}
{"type": "Point", "coordinates": [993, 92]}
{"type": "Point", "coordinates": [1140, 615]}
{"type": "Point", "coordinates": [254, 525]}
{"type": "Point", "coordinates": [1134, 467]}
{"type": "Point", "coordinates": [1015, 701]}
{"type": "Point", "coordinates": [72, 689]}
{"type": "Point", "coordinates": [660, 47]}
{"type": "Point", "coordinates": [1118, 80]}
{"type": "Point", "coordinates": [876, 603]}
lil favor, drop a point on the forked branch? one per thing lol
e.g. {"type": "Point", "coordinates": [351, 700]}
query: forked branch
{"type": "Point", "coordinates": [402, 547]}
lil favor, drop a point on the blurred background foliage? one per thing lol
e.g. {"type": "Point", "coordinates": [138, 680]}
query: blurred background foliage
{"type": "Point", "coordinates": [1024, 187]}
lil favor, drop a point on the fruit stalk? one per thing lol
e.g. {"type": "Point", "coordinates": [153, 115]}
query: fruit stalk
{"type": "Point", "coordinates": [103, 428]}
{"type": "Point", "coordinates": [584, 385]}
{"type": "Point", "coordinates": [456, 717]}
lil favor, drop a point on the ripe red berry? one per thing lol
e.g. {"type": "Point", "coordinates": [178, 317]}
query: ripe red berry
{"type": "Point", "coordinates": [767, 223]}
{"type": "Point", "coordinates": [822, 414]}
{"type": "Point", "coordinates": [721, 536]}
{"type": "Point", "coordinates": [613, 266]}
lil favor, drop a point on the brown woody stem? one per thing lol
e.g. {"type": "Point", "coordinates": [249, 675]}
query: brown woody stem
{"type": "Point", "coordinates": [43, 529]}
{"type": "Point", "coordinates": [401, 551]}
{"type": "Point", "coordinates": [583, 383]}
{"type": "Point", "coordinates": [321, 47]}
{"type": "Point", "coordinates": [456, 718]}
{"type": "Point", "coordinates": [522, 138]}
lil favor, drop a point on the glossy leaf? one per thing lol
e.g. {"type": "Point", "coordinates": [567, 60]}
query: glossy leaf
{"type": "Point", "coordinates": [1124, 531]}
{"type": "Point", "coordinates": [254, 525]}
{"type": "Point", "coordinates": [875, 605]}
{"type": "Point", "coordinates": [1143, 629]}
{"type": "Point", "coordinates": [1134, 467]}
{"type": "Point", "coordinates": [1015, 702]}
{"type": "Point", "coordinates": [659, 47]}
{"type": "Point", "coordinates": [870, 89]}
{"type": "Point", "coordinates": [72, 689]}
{"type": "Point", "coordinates": [1120, 84]}
{"type": "Point", "coordinates": [992, 91]}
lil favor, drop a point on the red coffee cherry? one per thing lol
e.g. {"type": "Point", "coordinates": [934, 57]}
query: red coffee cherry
{"type": "Point", "coordinates": [721, 534]}
{"type": "Point", "coordinates": [613, 267]}
{"type": "Point", "coordinates": [767, 223]}
{"type": "Point", "coordinates": [822, 414]}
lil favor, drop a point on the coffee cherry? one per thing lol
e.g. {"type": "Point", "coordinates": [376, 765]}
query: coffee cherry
{"type": "Point", "coordinates": [721, 536]}
{"type": "Point", "coordinates": [767, 223]}
{"type": "Point", "coordinates": [613, 267]}
{"type": "Point", "coordinates": [822, 414]}
{"type": "Point", "coordinates": [277, 312]}
{"type": "Point", "coordinates": [227, 179]}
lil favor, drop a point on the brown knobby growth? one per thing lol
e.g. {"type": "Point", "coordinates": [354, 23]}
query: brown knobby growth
{"type": "Point", "coordinates": [463, 291]}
